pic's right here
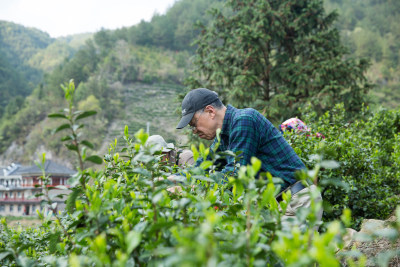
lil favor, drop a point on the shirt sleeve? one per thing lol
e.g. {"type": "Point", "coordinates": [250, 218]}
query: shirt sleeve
{"type": "Point", "coordinates": [243, 137]}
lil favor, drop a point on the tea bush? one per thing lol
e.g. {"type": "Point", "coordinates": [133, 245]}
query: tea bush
{"type": "Point", "coordinates": [123, 215]}
{"type": "Point", "coordinates": [367, 149]}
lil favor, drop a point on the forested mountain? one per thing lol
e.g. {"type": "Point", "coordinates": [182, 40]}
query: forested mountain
{"type": "Point", "coordinates": [115, 73]}
{"type": "Point", "coordinates": [371, 29]}
{"type": "Point", "coordinates": [25, 55]}
{"type": "Point", "coordinates": [17, 76]}
{"type": "Point", "coordinates": [174, 30]}
{"type": "Point", "coordinates": [124, 72]}
{"type": "Point", "coordinates": [20, 43]}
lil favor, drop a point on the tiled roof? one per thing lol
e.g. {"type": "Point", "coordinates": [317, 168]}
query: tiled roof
{"type": "Point", "coordinates": [50, 167]}
{"type": "Point", "coordinates": [9, 170]}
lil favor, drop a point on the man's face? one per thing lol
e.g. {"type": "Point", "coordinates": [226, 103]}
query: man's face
{"type": "Point", "coordinates": [204, 125]}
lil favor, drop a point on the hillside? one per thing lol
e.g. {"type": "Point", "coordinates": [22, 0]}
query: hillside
{"type": "Point", "coordinates": [61, 49]}
{"type": "Point", "coordinates": [371, 29]}
{"type": "Point", "coordinates": [104, 69]}
{"type": "Point", "coordinates": [127, 85]}
{"type": "Point", "coordinates": [145, 61]}
{"type": "Point", "coordinates": [17, 77]}
{"type": "Point", "coordinates": [20, 43]}
{"type": "Point", "coordinates": [140, 103]}
{"type": "Point", "coordinates": [25, 55]}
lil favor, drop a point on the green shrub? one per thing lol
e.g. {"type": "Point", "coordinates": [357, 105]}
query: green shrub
{"type": "Point", "coordinates": [124, 216]}
{"type": "Point", "coordinates": [367, 149]}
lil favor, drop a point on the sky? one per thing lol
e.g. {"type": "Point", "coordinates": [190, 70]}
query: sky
{"type": "Point", "coordinates": [66, 17]}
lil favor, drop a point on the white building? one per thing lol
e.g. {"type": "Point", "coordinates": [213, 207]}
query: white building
{"type": "Point", "coordinates": [19, 185]}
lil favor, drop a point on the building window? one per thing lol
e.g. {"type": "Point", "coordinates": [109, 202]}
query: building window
{"type": "Point", "coordinates": [19, 208]}
{"type": "Point", "coordinates": [33, 208]}
{"type": "Point", "coordinates": [2, 207]}
{"type": "Point", "coordinates": [11, 207]}
{"type": "Point", "coordinates": [19, 194]}
{"type": "Point", "coordinates": [1, 194]}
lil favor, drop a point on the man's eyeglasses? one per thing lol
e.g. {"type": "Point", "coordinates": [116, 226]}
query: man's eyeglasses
{"type": "Point", "coordinates": [193, 125]}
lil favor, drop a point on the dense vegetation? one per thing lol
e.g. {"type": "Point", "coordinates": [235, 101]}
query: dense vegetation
{"type": "Point", "coordinates": [367, 149]}
{"type": "Point", "coordinates": [105, 78]}
{"type": "Point", "coordinates": [25, 55]}
{"type": "Point", "coordinates": [116, 62]}
{"type": "Point", "coordinates": [174, 30]}
{"type": "Point", "coordinates": [17, 45]}
{"type": "Point", "coordinates": [123, 214]}
{"type": "Point", "coordinates": [371, 29]}
{"type": "Point", "coordinates": [277, 56]}
{"type": "Point", "coordinates": [106, 70]}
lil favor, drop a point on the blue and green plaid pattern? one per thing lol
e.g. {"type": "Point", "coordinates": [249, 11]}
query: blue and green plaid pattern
{"type": "Point", "coordinates": [248, 131]}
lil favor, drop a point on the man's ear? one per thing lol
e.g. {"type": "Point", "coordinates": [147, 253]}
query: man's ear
{"type": "Point", "coordinates": [210, 109]}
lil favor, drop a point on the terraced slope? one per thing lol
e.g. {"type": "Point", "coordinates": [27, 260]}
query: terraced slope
{"type": "Point", "coordinates": [153, 104]}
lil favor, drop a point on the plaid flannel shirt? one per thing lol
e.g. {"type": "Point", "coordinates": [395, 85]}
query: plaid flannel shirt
{"type": "Point", "coordinates": [249, 131]}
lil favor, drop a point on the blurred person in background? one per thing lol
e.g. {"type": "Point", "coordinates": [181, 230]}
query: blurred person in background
{"type": "Point", "coordinates": [298, 126]}
{"type": "Point", "coordinates": [171, 155]}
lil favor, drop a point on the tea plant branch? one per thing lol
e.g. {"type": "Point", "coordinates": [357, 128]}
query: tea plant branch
{"type": "Point", "coordinates": [73, 125]}
{"type": "Point", "coordinates": [153, 189]}
{"type": "Point", "coordinates": [248, 229]}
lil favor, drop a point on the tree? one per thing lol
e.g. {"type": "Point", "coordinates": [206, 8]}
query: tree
{"type": "Point", "coordinates": [141, 34]}
{"type": "Point", "coordinates": [276, 56]}
{"type": "Point", "coordinates": [12, 84]}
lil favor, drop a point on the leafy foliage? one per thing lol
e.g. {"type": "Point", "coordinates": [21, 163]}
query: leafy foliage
{"type": "Point", "coordinates": [124, 214]}
{"type": "Point", "coordinates": [280, 55]}
{"type": "Point", "coordinates": [370, 29]}
{"type": "Point", "coordinates": [367, 181]}
{"type": "Point", "coordinates": [72, 117]}
{"type": "Point", "coordinates": [174, 30]}
{"type": "Point", "coordinates": [10, 78]}
{"type": "Point", "coordinates": [103, 81]}
{"type": "Point", "coordinates": [52, 56]}
{"type": "Point", "coordinates": [17, 45]}
{"type": "Point", "coordinates": [113, 60]}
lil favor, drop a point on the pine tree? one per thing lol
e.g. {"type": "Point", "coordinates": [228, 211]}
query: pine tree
{"type": "Point", "coordinates": [277, 55]}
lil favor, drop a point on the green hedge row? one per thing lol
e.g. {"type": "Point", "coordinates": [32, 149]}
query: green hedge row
{"type": "Point", "coordinates": [368, 151]}
{"type": "Point", "coordinates": [124, 216]}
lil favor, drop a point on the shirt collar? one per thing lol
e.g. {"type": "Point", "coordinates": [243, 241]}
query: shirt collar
{"type": "Point", "coordinates": [227, 120]}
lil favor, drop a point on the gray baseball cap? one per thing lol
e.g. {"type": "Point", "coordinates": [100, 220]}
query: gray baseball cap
{"type": "Point", "coordinates": [194, 101]}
